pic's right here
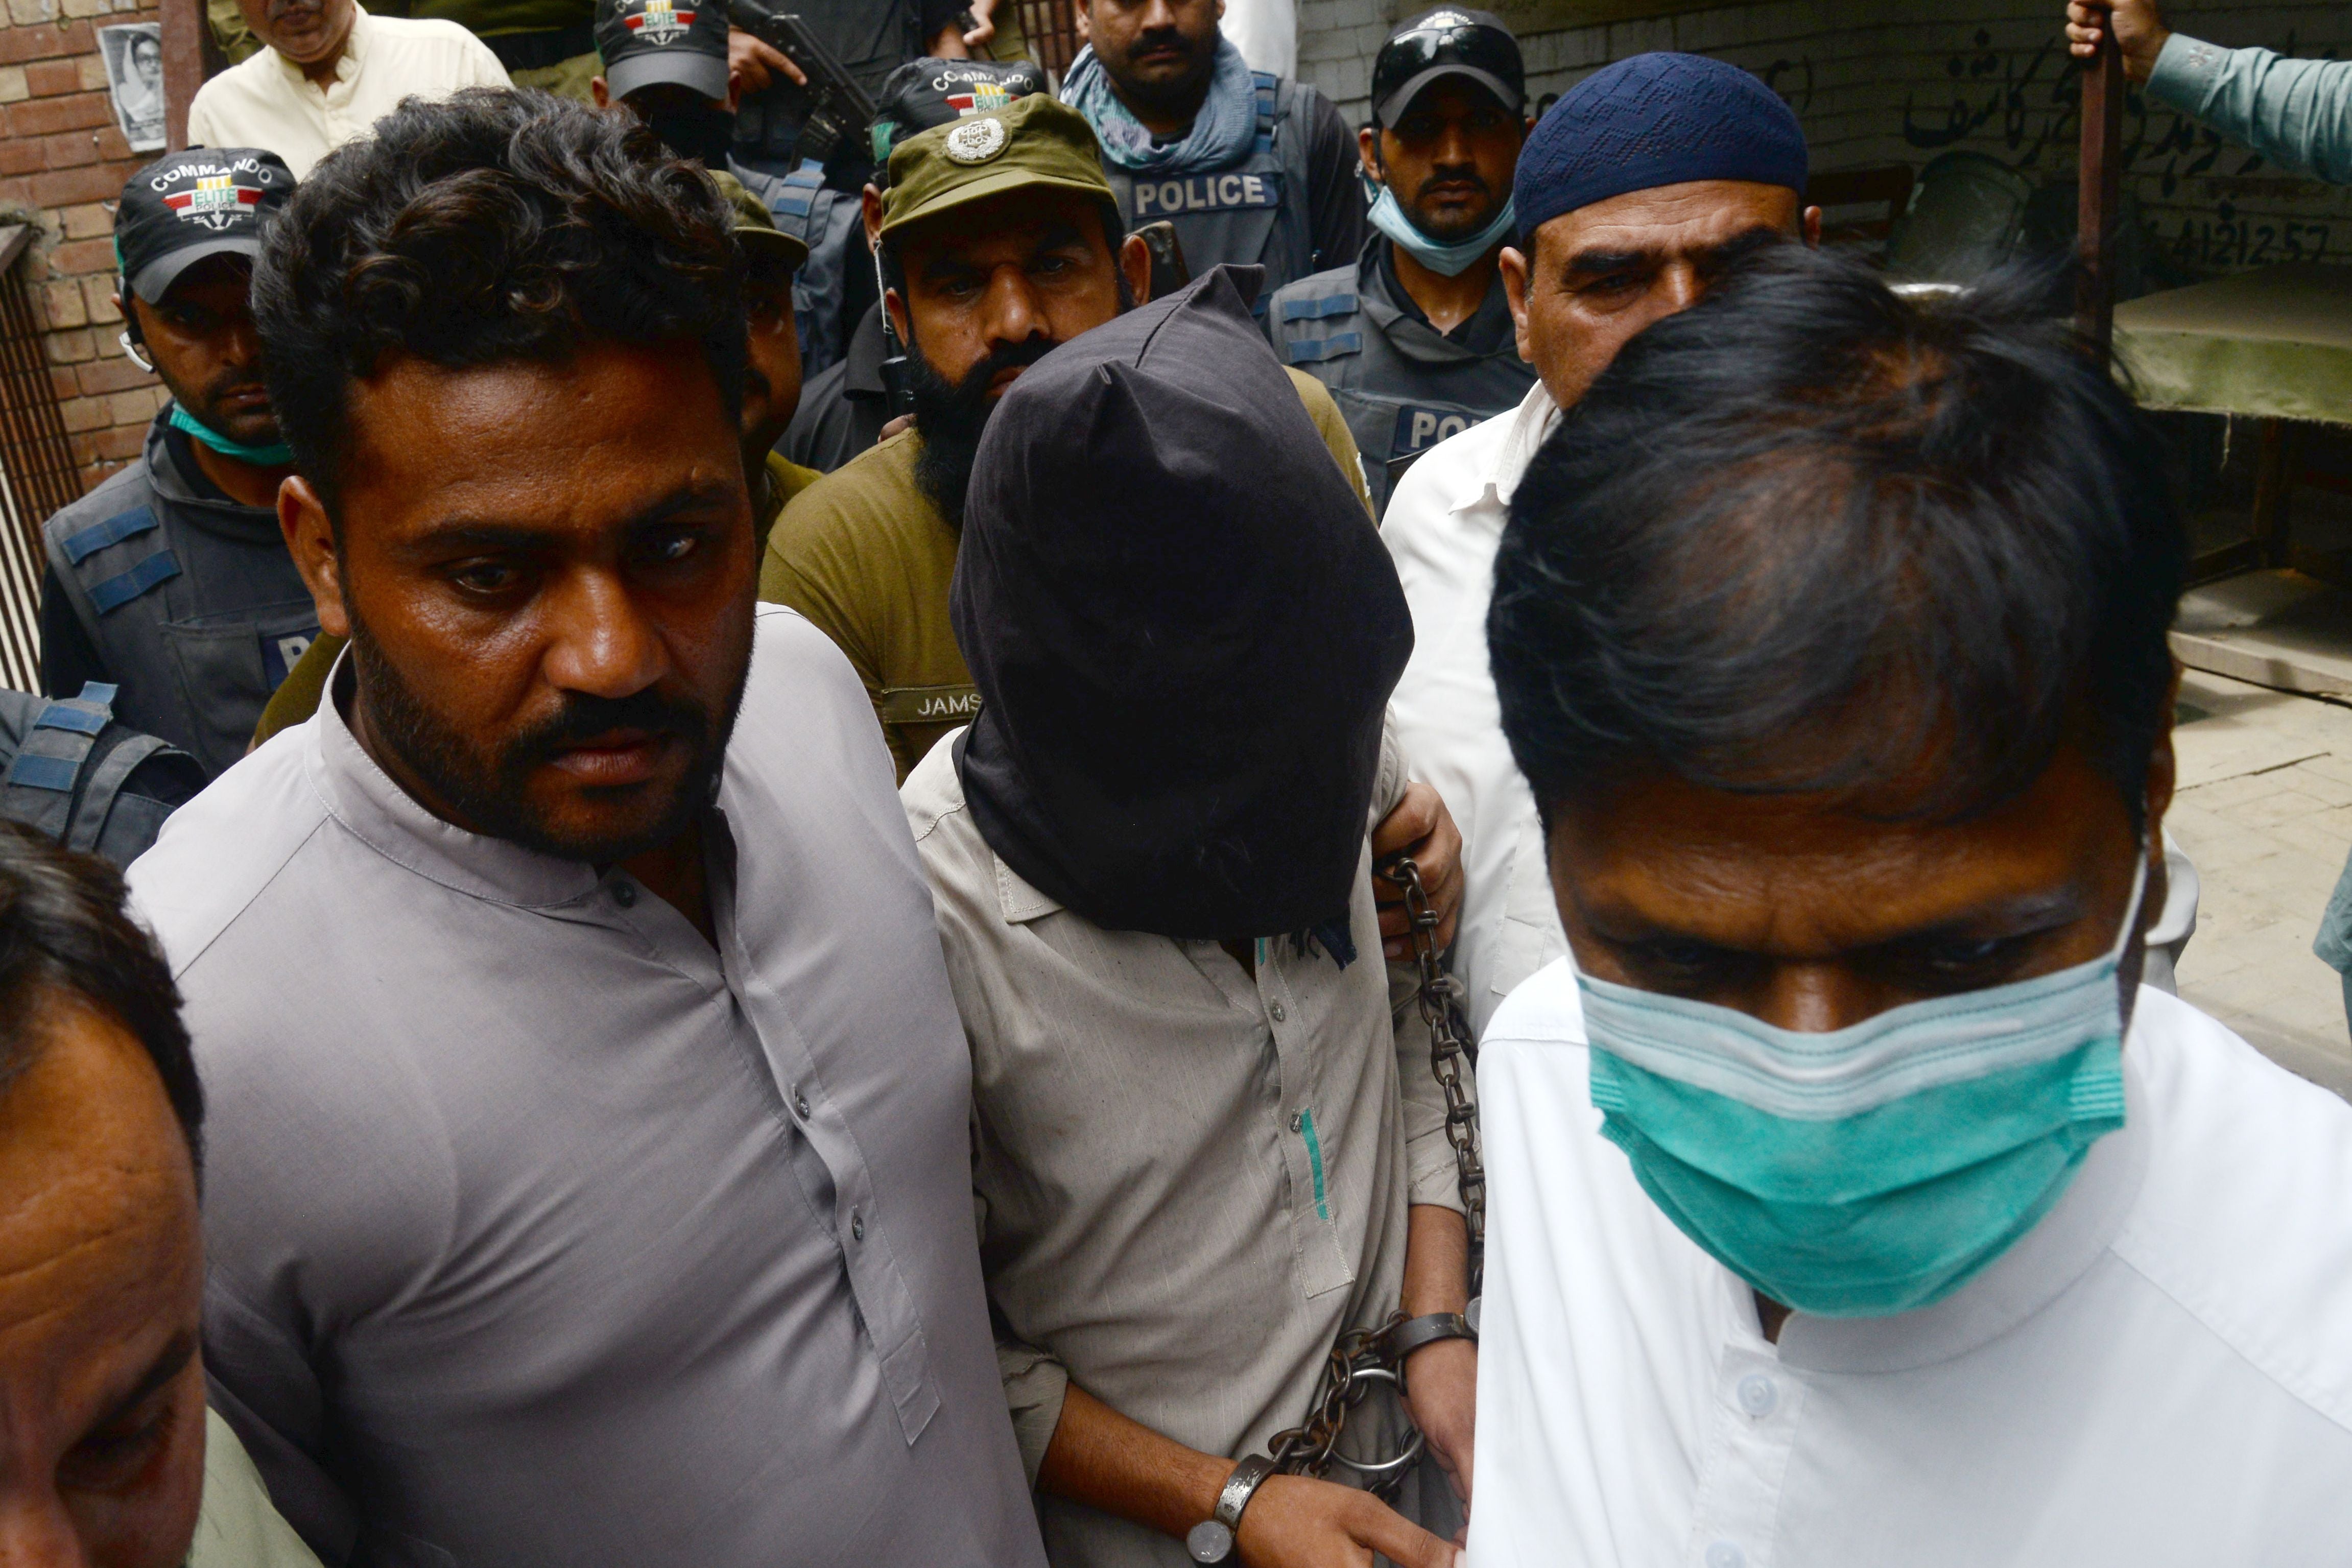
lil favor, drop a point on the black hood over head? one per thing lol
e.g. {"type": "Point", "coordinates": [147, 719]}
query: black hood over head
{"type": "Point", "coordinates": [1183, 628]}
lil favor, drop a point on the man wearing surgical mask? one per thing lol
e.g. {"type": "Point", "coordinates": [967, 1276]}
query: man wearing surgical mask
{"type": "Point", "coordinates": [1852, 1201]}
{"type": "Point", "coordinates": [1414, 335]}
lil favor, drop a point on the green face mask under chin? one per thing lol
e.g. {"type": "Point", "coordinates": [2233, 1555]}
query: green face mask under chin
{"type": "Point", "coordinates": [277, 455]}
{"type": "Point", "coordinates": [1878, 1168]}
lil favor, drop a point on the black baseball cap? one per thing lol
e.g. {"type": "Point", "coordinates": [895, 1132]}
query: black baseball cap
{"type": "Point", "coordinates": [1448, 41]}
{"type": "Point", "coordinates": [185, 206]}
{"type": "Point", "coordinates": [926, 92]}
{"type": "Point", "coordinates": [643, 42]}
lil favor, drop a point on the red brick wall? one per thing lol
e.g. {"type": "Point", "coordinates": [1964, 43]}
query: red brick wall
{"type": "Point", "coordinates": [63, 164]}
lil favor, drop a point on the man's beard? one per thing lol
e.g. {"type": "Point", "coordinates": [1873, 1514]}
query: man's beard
{"type": "Point", "coordinates": [257, 428]}
{"type": "Point", "coordinates": [1448, 231]}
{"type": "Point", "coordinates": [1174, 96]}
{"type": "Point", "coordinates": [488, 788]}
{"type": "Point", "coordinates": [950, 417]}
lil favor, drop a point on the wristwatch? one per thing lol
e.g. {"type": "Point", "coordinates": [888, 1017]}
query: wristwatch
{"type": "Point", "coordinates": [1212, 1539]}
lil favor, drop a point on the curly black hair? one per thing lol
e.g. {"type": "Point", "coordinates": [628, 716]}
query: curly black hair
{"type": "Point", "coordinates": [493, 227]}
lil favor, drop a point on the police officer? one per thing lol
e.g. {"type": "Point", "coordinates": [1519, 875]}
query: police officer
{"type": "Point", "coordinates": [847, 403]}
{"type": "Point", "coordinates": [1249, 167]}
{"type": "Point", "coordinates": [666, 61]}
{"type": "Point", "coordinates": [873, 40]}
{"type": "Point", "coordinates": [171, 580]}
{"type": "Point", "coordinates": [1416, 338]}
{"type": "Point", "coordinates": [999, 240]}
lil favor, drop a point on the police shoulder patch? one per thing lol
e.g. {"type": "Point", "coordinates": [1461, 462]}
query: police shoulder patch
{"type": "Point", "coordinates": [976, 141]}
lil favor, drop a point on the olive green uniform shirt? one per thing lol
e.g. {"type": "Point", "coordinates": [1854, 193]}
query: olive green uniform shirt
{"type": "Point", "coordinates": [865, 555]}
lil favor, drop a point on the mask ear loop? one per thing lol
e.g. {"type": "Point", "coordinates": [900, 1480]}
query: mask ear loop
{"type": "Point", "coordinates": [129, 337]}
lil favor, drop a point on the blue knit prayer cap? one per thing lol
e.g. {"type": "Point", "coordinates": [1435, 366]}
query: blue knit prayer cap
{"type": "Point", "coordinates": [1655, 120]}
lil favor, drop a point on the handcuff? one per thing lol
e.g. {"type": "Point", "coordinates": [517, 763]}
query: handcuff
{"type": "Point", "coordinates": [1212, 1539]}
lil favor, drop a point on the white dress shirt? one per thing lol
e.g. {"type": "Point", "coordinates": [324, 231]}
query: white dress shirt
{"type": "Point", "coordinates": [1443, 525]}
{"type": "Point", "coordinates": [2160, 1372]}
{"type": "Point", "coordinates": [266, 101]}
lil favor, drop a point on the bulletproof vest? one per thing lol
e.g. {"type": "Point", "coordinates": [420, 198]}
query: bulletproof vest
{"type": "Point", "coordinates": [1401, 385]}
{"type": "Point", "coordinates": [91, 785]}
{"type": "Point", "coordinates": [193, 604]}
{"type": "Point", "coordinates": [1257, 212]}
{"type": "Point", "coordinates": [829, 222]}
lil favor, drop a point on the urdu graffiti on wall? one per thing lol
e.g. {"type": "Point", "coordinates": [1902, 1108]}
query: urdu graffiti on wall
{"type": "Point", "coordinates": [2021, 105]}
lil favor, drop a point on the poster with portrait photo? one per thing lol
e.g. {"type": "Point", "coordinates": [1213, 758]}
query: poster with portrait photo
{"type": "Point", "coordinates": [135, 79]}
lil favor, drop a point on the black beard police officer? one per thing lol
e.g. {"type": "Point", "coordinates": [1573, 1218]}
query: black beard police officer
{"type": "Point", "coordinates": [1414, 337]}
{"type": "Point", "coordinates": [1250, 168]}
{"type": "Point", "coordinates": [171, 580]}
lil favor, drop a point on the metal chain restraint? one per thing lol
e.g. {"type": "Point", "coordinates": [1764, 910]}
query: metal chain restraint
{"type": "Point", "coordinates": [1358, 1360]}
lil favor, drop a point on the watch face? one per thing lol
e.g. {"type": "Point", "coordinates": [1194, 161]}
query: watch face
{"type": "Point", "coordinates": [1209, 1542]}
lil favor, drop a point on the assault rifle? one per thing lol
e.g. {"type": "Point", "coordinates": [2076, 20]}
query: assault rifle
{"type": "Point", "coordinates": [835, 113]}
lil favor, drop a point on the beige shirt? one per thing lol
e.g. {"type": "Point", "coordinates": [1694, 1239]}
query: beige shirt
{"type": "Point", "coordinates": [238, 1528]}
{"type": "Point", "coordinates": [1188, 1181]}
{"type": "Point", "coordinates": [268, 102]}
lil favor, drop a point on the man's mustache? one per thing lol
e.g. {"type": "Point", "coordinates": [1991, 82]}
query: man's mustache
{"type": "Point", "coordinates": [283, 10]}
{"type": "Point", "coordinates": [1157, 40]}
{"type": "Point", "coordinates": [1462, 175]}
{"type": "Point", "coordinates": [584, 718]}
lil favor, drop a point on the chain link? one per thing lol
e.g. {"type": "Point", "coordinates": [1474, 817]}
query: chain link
{"type": "Point", "coordinates": [1357, 1362]}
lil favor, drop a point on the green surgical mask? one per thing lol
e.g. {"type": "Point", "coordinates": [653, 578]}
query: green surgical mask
{"type": "Point", "coordinates": [1875, 1169]}
{"type": "Point", "coordinates": [277, 455]}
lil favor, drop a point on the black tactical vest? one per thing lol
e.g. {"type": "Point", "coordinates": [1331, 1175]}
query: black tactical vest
{"type": "Point", "coordinates": [1401, 385]}
{"type": "Point", "coordinates": [1257, 212]}
{"type": "Point", "coordinates": [90, 783]}
{"type": "Point", "coordinates": [192, 602]}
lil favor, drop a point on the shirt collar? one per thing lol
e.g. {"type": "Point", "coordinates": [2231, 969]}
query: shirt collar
{"type": "Point", "coordinates": [1019, 902]}
{"type": "Point", "coordinates": [1531, 421]}
{"type": "Point", "coordinates": [387, 818]}
{"type": "Point", "coordinates": [2015, 1285]}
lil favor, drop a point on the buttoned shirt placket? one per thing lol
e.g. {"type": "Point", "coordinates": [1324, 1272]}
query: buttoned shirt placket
{"type": "Point", "coordinates": [1755, 1407]}
{"type": "Point", "coordinates": [1293, 1088]}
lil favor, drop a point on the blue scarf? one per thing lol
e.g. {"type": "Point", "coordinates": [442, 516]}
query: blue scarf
{"type": "Point", "coordinates": [277, 455]}
{"type": "Point", "coordinates": [1390, 218]}
{"type": "Point", "coordinates": [1221, 133]}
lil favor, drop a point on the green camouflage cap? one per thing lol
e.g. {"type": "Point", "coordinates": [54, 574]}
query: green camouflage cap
{"type": "Point", "coordinates": [755, 227]}
{"type": "Point", "coordinates": [1034, 141]}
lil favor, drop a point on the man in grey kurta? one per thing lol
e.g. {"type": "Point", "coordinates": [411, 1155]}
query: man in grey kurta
{"type": "Point", "coordinates": [1206, 1145]}
{"type": "Point", "coordinates": [587, 1180]}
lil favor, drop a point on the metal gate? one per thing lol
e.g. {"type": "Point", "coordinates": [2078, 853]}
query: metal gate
{"type": "Point", "coordinates": [36, 467]}
{"type": "Point", "coordinates": [1052, 29]}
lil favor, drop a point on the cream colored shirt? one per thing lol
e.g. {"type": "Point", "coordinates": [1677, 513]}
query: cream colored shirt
{"type": "Point", "coordinates": [238, 1527]}
{"type": "Point", "coordinates": [1189, 1179]}
{"type": "Point", "coordinates": [268, 102]}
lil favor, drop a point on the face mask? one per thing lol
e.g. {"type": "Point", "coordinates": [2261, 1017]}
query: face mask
{"type": "Point", "coordinates": [277, 455]}
{"type": "Point", "coordinates": [1450, 260]}
{"type": "Point", "coordinates": [1875, 1169]}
